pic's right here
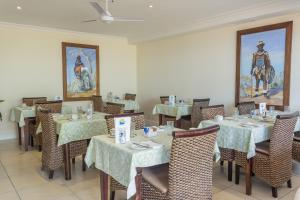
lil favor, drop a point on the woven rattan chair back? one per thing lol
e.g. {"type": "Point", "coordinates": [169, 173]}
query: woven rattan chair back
{"type": "Point", "coordinates": [137, 118]}
{"type": "Point", "coordinates": [130, 96]}
{"type": "Point", "coordinates": [163, 99]}
{"type": "Point", "coordinates": [196, 114]}
{"type": "Point", "coordinates": [191, 164]}
{"type": "Point", "coordinates": [97, 103]}
{"type": "Point", "coordinates": [210, 112]}
{"type": "Point", "coordinates": [31, 101]}
{"type": "Point", "coordinates": [52, 155]}
{"type": "Point", "coordinates": [245, 108]}
{"type": "Point", "coordinates": [114, 108]}
{"type": "Point", "coordinates": [52, 106]}
{"type": "Point", "coordinates": [281, 141]}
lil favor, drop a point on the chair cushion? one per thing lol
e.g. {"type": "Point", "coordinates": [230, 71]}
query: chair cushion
{"type": "Point", "coordinates": [158, 177]}
{"type": "Point", "coordinates": [297, 136]}
{"type": "Point", "coordinates": [263, 148]}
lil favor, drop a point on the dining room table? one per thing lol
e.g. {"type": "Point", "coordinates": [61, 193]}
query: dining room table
{"type": "Point", "coordinates": [241, 133]}
{"type": "Point", "coordinates": [70, 130]}
{"type": "Point", "coordinates": [22, 115]}
{"type": "Point", "coordinates": [177, 111]}
{"type": "Point", "coordinates": [124, 162]}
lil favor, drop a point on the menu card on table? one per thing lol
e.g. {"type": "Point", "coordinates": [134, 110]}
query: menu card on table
{"type": "Point", "coordinates": [262, 108]}
{"type": "Point", "coordinates": [122, 129]}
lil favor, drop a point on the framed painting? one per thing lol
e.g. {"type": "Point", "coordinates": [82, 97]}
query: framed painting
{"type": "Point", "coordinates": [80, 71]}
{"type": "Point", "coordinates": [263, 62]}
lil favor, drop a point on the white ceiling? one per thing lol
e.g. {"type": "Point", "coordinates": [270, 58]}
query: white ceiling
{"type": "Point", "coordinates": [167, 17]}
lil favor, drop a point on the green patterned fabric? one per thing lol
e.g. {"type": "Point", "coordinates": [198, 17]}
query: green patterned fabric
{"type": "Point", "coordinates": [18, 114]}
{"type": "Point", "coordinates": [233, 136]}
{"type": "Point", "coordinates": [120, 160]}
{"type": "Point", "coordinates": [129, 104]}
{"type": "Point", "coordinates": [69, 130]}
{"type": "Point", "coordinates": [177, 111]}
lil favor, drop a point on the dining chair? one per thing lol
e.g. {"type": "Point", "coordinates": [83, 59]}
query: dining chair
{"type": "Point", "coordinates": [97, 103]}
{"type": "Point", "coordinates": [165, 118]}
{"type": "Point", "coordinates": [296, 146]}
{"type": "Point", "coordinates": [273, 160]}
{"type": "Point", "coordinates": [114, 108]}
{"type": "Point", "coordinates": [54, 107]}
{"type": "Point", "coordinates": [139, 123]}
{"type": "Point", "coordinates": [30, 101]}
{"type": "Point", "coordinates": [194, 119]}
{"type": "Point", "coordinates": [52, 154]}
{"type": "Point", "coordinates": [130, 96]}
{"type": "Point", "coordinates": [246, 107]}
{"type": "Point", "coordinates": [209, 113]}
{"type": "Point", "coordinates": [189, 173]}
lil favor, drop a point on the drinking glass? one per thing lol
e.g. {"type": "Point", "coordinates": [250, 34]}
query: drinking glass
{"type": "Point", "coordinates": [236, 113]}
{"type": "Point", "coordinates": [287, 109]}
{"type": "Point", "coordinates": [271, 110]}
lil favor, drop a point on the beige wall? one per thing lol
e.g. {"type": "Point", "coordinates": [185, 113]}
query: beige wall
{"type": "Point", "coordinates": [202, 64]}
{"type": "Point", "coordinates": [31, 65]}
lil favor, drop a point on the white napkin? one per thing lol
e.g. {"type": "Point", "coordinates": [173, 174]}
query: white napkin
{"type": "Point", "coordinates": [151, 144]}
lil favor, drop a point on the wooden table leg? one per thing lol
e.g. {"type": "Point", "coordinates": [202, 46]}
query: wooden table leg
{"type": "Point", "coordinates": [160, 119]}
{"type": "Point", "coordinates": [248, 176]}
{"type": "Point", "coordinates": [67, 161]}
{"type": "Point", "coordinates": [178, 123]}
{"type": "Point", "coordinates": [20, 134]}
{"type": "Point", "coordinates": [26, 134]}
{"type": "Point", "coordinates": [104, 179]}
{"type": "Point", "coordinates": [138, 184]}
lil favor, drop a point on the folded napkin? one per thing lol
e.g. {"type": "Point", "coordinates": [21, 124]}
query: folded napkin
{"type": "Point", "coordinates": [250, 124]}
{"type": "Point", "coordinates": [148, 144]}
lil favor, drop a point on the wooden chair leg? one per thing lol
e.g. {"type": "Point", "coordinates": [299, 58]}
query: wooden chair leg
{"type": "Point", "coordinates": [73, 160]}
{"type": "Point", "coordinates": [237, 174]}
{"type": "Point", "coordinates": [31, 141]}
{"type": "Point", "coordinates": [221, 162]}
{"type": "Point", "coordinates": [229, 170]}
{"type": "Point", "coordinates": [40, 148]}
{"type": "Point", "coordinates": [112, 195]}
{"type": "Point", "coordinates": [274, 192]}
{"type": "Point", "coordinates": [289, 183]}
{"type": "Point", "coordinates": [83, 163]}
{"type": "Point", "coordinates": [51, 172]}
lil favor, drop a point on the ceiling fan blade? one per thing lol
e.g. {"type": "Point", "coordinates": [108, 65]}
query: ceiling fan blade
{"type": "Point", "coordinates": [98, 8]}
{"type": "Point", "coordinates": [86, 21]}
{"type": "Point", "coordinates": [124, 19]}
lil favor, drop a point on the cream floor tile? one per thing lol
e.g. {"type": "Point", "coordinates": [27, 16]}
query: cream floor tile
{"type": "Point", "coordinates": [92, 193]}
{"type": "Point", "coordinates": [230, 194]}
{"type": "Point", "coordinates": [5, 185]}
{"type": "Point", "coordinates": [9, 196]}
{"type": "Point", "coordinates": [28, 181]}
{"type": "Point", "coordinates": [290, 195]}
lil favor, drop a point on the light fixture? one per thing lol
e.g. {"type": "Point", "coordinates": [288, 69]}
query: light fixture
{"type": "Point", "coordinates": [19, 8]}
{"type": "Point", "coordinates": [150, 6]}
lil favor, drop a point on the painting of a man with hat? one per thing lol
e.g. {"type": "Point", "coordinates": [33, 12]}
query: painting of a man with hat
{"type": "Point", "coordinates": [263, 64]}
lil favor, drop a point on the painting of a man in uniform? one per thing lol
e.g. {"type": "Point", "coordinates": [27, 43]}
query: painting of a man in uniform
{"type": "Point", "coordinates": [262, 64]}
{"type": "Point", "coordinates": [81, 71]}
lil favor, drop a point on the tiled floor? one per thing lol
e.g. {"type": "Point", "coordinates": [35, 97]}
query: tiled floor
{"type": "Point", "coordinates": [21, 178]}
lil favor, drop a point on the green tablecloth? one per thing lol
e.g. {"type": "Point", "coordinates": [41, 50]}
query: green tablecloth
{"type": "Point", "coordinates": [129, 104]}
{"type": "Point", "coordinates": [120, 161]}
{"type": "Point", "coordinates": [69, 130]}
{"type": "Point", "coordinates": [233, 136]}
{"type": "Point", "coordinates": [176, 111]}
{"type": "Point", "coordinates": [19, 113]}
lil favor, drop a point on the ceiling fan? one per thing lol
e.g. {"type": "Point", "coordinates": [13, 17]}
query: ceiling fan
{"type": "Point", "coordinates": [107, 17]}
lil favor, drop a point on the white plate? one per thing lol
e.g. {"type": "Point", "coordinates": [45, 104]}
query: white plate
{"type": "Point", "coordinates": [137, 147]}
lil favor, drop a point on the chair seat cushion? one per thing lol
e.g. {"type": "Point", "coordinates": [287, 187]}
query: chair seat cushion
{"type": "Point", "coordinates": [297, 136]}
{"type": "Point", "coordinates": [263, 148]}
{"type": "Point", "coordinates": [158, 177]}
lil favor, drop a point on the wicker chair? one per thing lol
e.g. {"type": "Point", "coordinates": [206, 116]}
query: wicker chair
{"type": "Point", "coordinates": [273, 160]}
{"type": "Point", "coordinates": [296, 146]}
{"type": "Point", "coordinates": [194, 119]}
{"type": "Point", "coordinates": [165, 118]}
{"type": "Point", "coordinates": [52, 155]}
{"type": "Point", "coordinates": [246, 107]}
{"type": "Point", "coordinates": [130, 96]}
{"type": "Point", "coordinates": [114, 108]}
{"type": "Point", "coordinates": [54, 107]}
{"type": "Point", "coordinates": [30, 101]}
{"type": "Point", "coordinates": [189, 173]}
{"type": "Point", "coordinates": [139, 120]}
{"type": "Point", "coordinates": [97, 103]}
{"type": "Point", "coordinates": [209, 113]}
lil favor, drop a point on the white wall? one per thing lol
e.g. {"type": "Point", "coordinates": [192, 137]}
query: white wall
{"type": "Point", "coordinates": [31, 65]}
{"type": "Point", "coordinates": [202, 64]}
